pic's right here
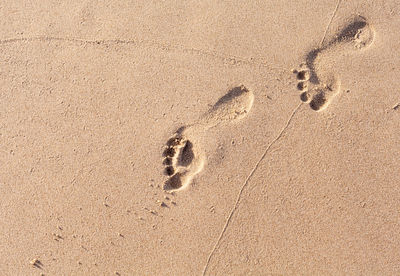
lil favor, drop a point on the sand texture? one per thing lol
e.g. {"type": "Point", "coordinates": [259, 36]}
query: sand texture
{"type": "Point", "coordinates": [200, 137]}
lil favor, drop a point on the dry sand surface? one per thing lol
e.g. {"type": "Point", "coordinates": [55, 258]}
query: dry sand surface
{"type": "Point", "coordinates": [200, 137]}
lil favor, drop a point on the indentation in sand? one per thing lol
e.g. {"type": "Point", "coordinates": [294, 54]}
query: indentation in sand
{"type": "Point", "coordinates": [317, 84]}
{"type": "Point", "coordinates": [183, 156]}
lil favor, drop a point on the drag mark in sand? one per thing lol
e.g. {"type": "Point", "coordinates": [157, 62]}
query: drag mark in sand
{"type": "Point", "coordinates": [330, 22]}
{"type": "Point", "coordinates": [147, 44]}
{"type": "Point", "coordinates": [246, 182]}
{"type": "Point", "coordinates": [183, 156]}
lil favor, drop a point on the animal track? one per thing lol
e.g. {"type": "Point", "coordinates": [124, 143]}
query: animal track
{"type": "Point", "coordinates": [318, 86]}
{"type": "Point", "coordinates": [183, 158]}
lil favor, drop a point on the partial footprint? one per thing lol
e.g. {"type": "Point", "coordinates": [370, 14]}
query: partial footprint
{"type": "Point", "coordinates": [318, 85]}
{"type": "Point", "coordinates": [183, 157]}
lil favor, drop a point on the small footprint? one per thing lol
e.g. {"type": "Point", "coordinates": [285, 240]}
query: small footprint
{"type": "Point", "coordinates": [318, 86]}
{"type": "Point", "coordinates": [183, 157]}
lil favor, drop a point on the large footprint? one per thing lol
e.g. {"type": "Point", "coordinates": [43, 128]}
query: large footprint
{"type": "Point", "coordinates": [183, 157]}
{"type": "Point", "coordinates": [317, 84]}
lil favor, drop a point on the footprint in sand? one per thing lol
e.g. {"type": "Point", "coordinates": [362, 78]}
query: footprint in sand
{"type": "Point", "coordinates": [183, 157]}
{"type": "Point", "coordinates": [318, 85]}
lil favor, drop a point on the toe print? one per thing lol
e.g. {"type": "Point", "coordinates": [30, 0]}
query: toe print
{"type": "Point", "coordinates": [169, 170]}
{"type": "Point", "coordinates": [303, 75]}
{"type": "Point", "coordinates": [317, 84]}
{"type": "Point", "coordinates": [302, 85]}
{"type": "Point", "coordinates": [169, 152]}
{"type": "Point", "coordinates": [304, 97]}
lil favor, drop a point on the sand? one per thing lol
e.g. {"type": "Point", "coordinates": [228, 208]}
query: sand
{"type": "Point", "coordinates": [200, 138]}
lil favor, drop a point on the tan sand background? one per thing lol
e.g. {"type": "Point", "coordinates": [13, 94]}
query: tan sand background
{"type": "Point", "coordinates": [92, 90]}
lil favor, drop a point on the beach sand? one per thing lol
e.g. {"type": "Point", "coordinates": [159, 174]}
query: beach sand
{"type": "Point", "coordinates": [200, 138]}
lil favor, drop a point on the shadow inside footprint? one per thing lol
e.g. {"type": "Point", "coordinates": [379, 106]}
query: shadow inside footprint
{"type": "Point", "coordinates": [351, 31]}
{"type": "Point", "coordinates": [310, 62]}
{"type": "Point", "coordinates": [186, 155]}
{"type": "Point", "coordinates": [318, 101]}
{"type": "Point", "coordinates": [233, 93]}
{"type": "Point", "coordinates": [169, 152]}
{"type": "Point", "coordinates": [232, 106]}
{"type": "Point", "coordinates": [173, 183]}
{"type": "Point", "coordinates": [358, 31]}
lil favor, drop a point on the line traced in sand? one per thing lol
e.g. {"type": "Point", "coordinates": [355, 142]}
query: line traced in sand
{"type": "Point", "coordinates": [229, 60]}
{"type": "Point", "coordinates": [330, 22]}
{"type": "Point", "coordinates": [246, 182]}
